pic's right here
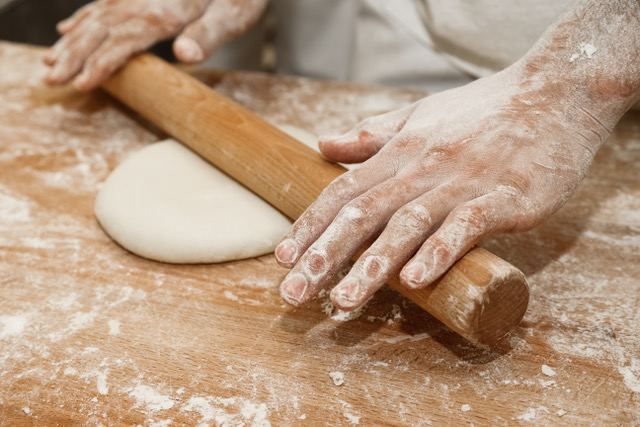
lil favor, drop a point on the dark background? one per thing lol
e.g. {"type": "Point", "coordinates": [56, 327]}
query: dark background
{"type": "Point", "coordinates": [34, 22]}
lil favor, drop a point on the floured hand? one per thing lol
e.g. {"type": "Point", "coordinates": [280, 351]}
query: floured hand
{"type": "Point", "coordinates": [449, 170]}
{"type": "Point", "coordinates": [498, 155]}
{"type": "Point", "coordinates": [101, 36]}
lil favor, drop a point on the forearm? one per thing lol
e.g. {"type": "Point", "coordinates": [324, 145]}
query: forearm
{"type": "Point", "coordinates": [591, 57]}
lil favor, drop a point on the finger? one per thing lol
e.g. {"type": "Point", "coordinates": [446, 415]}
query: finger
{"type": "Point", "coordinates": [127, 40]}
{"type": "Point", "coordinates": [71, 51]}
{"type": "Point", "coordinates": [461, 230]}
{"type": "Point", "coordinates": [50, 56]}
{"type": "Point", "coordinates": [357, 222]}
{"type": "Point", "coordinates": [367, 138]}
{"type": "Point", "coordinates": [312, 223]}
{"type": "Point", "coordinates": [222, 21]}
{"type": "Point", "coordinates": [407, 230]}
{"type": "Point", "coordinates": [66, 25]}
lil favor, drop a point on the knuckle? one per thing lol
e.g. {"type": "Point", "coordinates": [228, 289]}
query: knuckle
{"type": "Point", "coordinates": [517, 183]}
{"type": "Point", "coordinates": [343, 188]}
{"type": "Point", "coordinates": [472, 218]}
{"type": "Point", "coordinates": [353, 216]}
{"type": "Point", "coordinates": [170, 24]}
{"type": "Point", "coordinates": [412, 217]}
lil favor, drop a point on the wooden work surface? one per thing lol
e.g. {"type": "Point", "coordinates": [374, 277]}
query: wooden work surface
{"type": "Point", "coordinates": [92, 335]}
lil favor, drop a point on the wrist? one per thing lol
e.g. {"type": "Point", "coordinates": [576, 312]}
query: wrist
{"type": "Point", "coordinates": [588, 59]}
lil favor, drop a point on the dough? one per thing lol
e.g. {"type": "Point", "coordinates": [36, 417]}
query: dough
{"type": "Point", "coordinates": [168, 204]}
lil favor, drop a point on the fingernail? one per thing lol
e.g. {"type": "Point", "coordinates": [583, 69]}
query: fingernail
{"type": "Point", "coordinates": [346, 294]}
{"type": "Point", "coordinates": [293, 289]}
{"type": "Point", "coordinates": [414, 274]}
{"type": "Point", "coordinates": [287, 252]}
{"type": "Point", "coordinates": [190, 50]}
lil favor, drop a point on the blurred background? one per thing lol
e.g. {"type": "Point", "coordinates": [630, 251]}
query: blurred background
{"type": "Point", "coordinates": [34, 21]}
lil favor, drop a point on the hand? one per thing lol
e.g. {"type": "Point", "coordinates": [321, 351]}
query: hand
{"type": "Point", "coordinates": [498, 155]}
{"type": "Point", "coordinates": [101, 36]}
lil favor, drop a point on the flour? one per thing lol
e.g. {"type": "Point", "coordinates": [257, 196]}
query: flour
{"type": "Point", "coordinates": [586, 50]}
{"type": "Point", "coordinates": [82, 320]}
{"type": "Point", "coordinates": [224, 411]}
{"type": "Point", "coordinates": [230, 296]}
{"type": "Point", "coordinates": [529, 415]}
{"type": "Point", "coordinates": [548, 371]}
{"type": "Point", "coordinates": [348, 413]}
{"type": "Point", "coordinates": [347, 316]}
{"type": "Point", "coordinates": [114, 327]}
{"type": "Point", "coordinates": [12, 325]}
{"type": "Point", "coordinates": [411, 338]}
{"type": "Point", "coordinates": [337, 377]}
{"type": "Point", "coordinates": [103, 388]}
{"type": "Point", "coordinates": [631, 375]}
{"type": "Point", "coordinates": [12, 208]}
{"type": "Point", "coordinates": [149, 397]}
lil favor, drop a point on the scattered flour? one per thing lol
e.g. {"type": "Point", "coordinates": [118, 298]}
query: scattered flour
{"type": "Point", "coordinates": [548, 371]}
{"type": "Point", "coordinates": [114, 327]}
{"type": "Point", "coordinates": [352, 418]}
{"type": "Point", "coordinates": [346, 316]}
{"type": "Point", "coordinates": [530, 415]}
{"type": "Point", "coordinates": [586, 49]}
{"type": "Point", "coordinates": [561, 413]}
{"type": "Point", "coordinates": [213, 409]}
{"type": "Point", "coordinates": [337, 314]}
{"type": "Point", "coordinates": [337, 377]}
{"type": "Point", "coordinates": [103, 388]}
{"type": "Point", "coordinates": [230, 296]}
{"type": "Point", "coordinates": [26, 410]}
{"type": "Point", "coordinates": [82, 320]}
{"type": "Point", "coordinates": [151, 398]}
{"type": "Point", "coordinates": [412, 338]}
{"type": "Point", "coordinates": [12, 325]}
{"type": "Point", "coordinates": [465, 408]}
{"type": "Point", "coordinates": [631, 375]}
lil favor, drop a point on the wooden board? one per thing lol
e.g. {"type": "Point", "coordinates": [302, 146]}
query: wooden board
{"type": "Point", "coordinates": [90, 334]}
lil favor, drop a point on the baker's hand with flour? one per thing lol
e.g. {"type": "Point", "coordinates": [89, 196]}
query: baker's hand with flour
{"type": "Point", "coordinates": [498, 155]}
{"type": "Point", "coordinates": [102, 35]}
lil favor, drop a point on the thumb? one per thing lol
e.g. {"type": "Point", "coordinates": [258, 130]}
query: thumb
{"type": "Point", "coordinates": [367, 138]}
{"type": "Point", "coordinates": [222, 21]}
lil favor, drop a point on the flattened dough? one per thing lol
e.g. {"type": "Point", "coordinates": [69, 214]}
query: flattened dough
{"type": "Point", "coordinates": [167, 204]}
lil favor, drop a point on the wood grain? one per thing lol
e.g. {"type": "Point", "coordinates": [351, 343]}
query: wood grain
{"type": "Point", "coordinates": [481, 297]}
{"type": "Point", "coordinates": [92, 335]}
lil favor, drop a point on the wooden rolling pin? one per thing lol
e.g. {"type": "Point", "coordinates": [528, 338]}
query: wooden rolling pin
{"type": "Point", "coordinates": [481, 297]}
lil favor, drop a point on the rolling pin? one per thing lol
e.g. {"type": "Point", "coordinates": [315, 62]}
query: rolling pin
{"type": "Point", "coordinates": [481, 297]}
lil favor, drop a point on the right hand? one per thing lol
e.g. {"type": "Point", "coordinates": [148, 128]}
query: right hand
{"type": "Point", "coordinates": [101, 36]}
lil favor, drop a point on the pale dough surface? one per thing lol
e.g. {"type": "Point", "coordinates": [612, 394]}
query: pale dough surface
{"type": "Point", "coordinates": [167, 204]}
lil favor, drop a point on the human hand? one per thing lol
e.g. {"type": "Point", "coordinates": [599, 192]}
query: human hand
{"type": "Point", "coordinates": [498, 155]}
{"type": "Point", "coordinates": [102, 35]}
